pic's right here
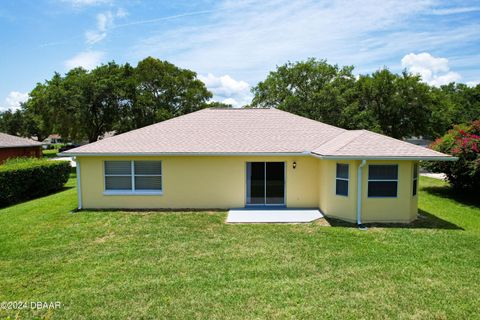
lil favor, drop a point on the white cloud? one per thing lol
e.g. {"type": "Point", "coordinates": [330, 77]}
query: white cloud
{"type": "Point", "coordinates": [228, 90]}
{"type": "Point", "coordinates": [87, 60]}
{"type": "Point", "coordinates": [86, 3]}
{"type": "Point", "coordinates": [121, 13]}
{"type": "Point", "coordinates": [13, 100]}
{"type": "Point", "coordinates": [433, 70]}
{"type": "Point", "coordinates": [455, 10]}
{"type": "Point", "coordinates": [473, 83]}
{"type": "Point", "coordinates": [231, 101]}
{"type": "Point", "coordinates": [247, 39]}
{"type": "Point", "coordinates": [105, 21]}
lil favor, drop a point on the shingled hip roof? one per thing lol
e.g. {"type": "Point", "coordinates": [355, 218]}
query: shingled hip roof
{"type": "Point", "coordinates": [9, 141]}
{"type": "Point", "coordinates": [253, 131]}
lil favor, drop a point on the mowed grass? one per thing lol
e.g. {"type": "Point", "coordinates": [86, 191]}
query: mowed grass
{"type": "Point", "coordinates": [150, 265]}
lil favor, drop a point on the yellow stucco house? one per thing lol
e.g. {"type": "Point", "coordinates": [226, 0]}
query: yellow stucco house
{"type": "Point", "coordinates": [233, 158]}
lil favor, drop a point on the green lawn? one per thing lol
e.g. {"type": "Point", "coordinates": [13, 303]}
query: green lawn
{"type": "Point", "coordinates": [121, 265]}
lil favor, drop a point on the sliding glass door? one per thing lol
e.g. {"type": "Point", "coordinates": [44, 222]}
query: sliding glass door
{"type": "Point", "coordinates": [265, 183]}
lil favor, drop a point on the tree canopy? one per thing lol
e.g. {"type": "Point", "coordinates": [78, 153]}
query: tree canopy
{"type": "Point", "coordinates": [83, 105]}
{"type": "Point", "coordinates": [312, 88]}
{"type": "Point", "coordinates": [398, 105]}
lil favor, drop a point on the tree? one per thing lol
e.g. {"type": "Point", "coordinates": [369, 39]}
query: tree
{"type": "Point", "coordinates": [312, 88]}
{"type": "Point", "coordinates": [219, 105]}
{"type": "Point", "coordinates": [42, 107]}
{"type": "Point", "coordinates": [164, 91]}
{"type": "Point", "coordinates": [11, 122]}
{"type": "Point", "coordinates": [82, 105]}
{"type": "Point", "coordinates": [398, 104]}
{"type": "Point", "coordinates": [95, 101]}
{"type": "Point", "coordinates": [442, 113]}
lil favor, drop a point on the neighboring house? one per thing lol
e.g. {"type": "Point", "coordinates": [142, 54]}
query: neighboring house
{"type": "Point", "coordinates": [106, 135]}
{"type": "Point", "coordinates": [53, 139]}
{"type": "Point", "coordinates": [419, 141]}
{"type": "Point", "coordinates": [231, 158]}
{"type": "Point", "coordinates": [14, 147]}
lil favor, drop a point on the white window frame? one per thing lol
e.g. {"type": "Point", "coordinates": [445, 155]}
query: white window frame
{"type": "Point", "coordinates": [132, 191]}
{"type": "Point", "coordinates": [343, 179]}
{"type": "Point", "coordinates": [382, 180]}
{"type": "Point", "coordinates": [415, 180]}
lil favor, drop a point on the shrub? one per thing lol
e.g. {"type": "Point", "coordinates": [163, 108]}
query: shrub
{"type": "Point", "coordinates": [463, 141]}
{"type": "Point", "coordinates": [27, 178]}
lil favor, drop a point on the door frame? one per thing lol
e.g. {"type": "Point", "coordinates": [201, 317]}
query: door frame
{"type": "Point", "coordinates": [247, 185]}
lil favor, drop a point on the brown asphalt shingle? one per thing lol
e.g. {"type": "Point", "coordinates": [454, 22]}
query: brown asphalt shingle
{"type": "Point", "coordinates": [233, 131]}
{"type": "Point", "coordinates": [364, 143]}
{"type": "Point", "coordinates": [9, 141]}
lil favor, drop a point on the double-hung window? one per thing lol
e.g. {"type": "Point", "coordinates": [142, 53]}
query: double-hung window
{"type": "Point", "coordinates": [341, 180]}
{"type": "Point", "coordinates": [415, 179]}
{"type": "Point", "coordinates": [135, 177]}
{"type": "Point", "coordinates": [382, 181]}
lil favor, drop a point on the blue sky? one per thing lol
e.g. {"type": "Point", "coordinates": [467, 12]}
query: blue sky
{"type": "Point", "coordinates": [234, 44]}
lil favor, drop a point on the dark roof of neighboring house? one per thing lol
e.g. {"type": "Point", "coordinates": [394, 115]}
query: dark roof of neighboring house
{"type": "Point", "coordinates": [254, 131]}
{"type": "Point", "coordinates": [9, 141]}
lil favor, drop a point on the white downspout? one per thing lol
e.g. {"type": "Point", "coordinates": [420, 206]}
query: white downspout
{"type": "Point", "coordinates": [359, 192]}
{"type": "Point", "coordinates": [79, 184]}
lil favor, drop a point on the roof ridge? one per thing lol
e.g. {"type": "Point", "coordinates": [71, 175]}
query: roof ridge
{"type": "Point", "coordinates": [362, 132]}
{"type": "Point", "coordinates": [337, 137]}
{"type": "Point", "coordinates": [233, 108]}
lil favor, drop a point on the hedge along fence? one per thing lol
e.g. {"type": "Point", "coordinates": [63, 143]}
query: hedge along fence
{"type": "Point", "coordinates": [28, 178]}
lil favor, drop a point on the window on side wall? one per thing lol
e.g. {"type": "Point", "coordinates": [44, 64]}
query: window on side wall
{"type": "Point", "coordinates": [133, 176]}
{"type": "Point", "coordinates": [382, 181]}
{"type": "Point", "coordinates": [415, 179]}
{"type": "Point", "coordinates": [341, 180]}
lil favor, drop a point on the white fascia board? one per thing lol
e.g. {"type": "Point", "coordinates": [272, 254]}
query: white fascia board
{"type": "Point", "coordinates": [421, 158]}
{"type": "Point", "coordinates": [199, 154]}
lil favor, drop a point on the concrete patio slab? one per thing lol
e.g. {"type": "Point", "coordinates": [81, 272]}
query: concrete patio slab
{"type": "Point", "coordinates": [247, 215]}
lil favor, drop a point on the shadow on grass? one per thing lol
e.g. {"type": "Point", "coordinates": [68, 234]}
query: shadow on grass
{"type": "Point", "coordinates": [449, 193]}
{"type": "Point", "coordinates": [154, 211]}
{"type": "Point", "coordinates": [64, 188]}
{"type": "Point", "coordinates": [425, 220]}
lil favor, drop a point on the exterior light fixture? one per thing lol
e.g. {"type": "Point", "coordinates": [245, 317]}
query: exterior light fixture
{"type": "Point", "coordinates": [294, 164]}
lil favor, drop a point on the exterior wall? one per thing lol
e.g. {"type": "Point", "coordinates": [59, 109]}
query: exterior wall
{"type": "Point", "coordinates": [341, 207]}
{"type": "Point", "coordinates": [6, 153]}
{"type": "Point", "coordinates": [402, 209]}
{"type": "Point", "coordinates": [199, 182]}
{"type": "Point", "coordinates": [220, 182]}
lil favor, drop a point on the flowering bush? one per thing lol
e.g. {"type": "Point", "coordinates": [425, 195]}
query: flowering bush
{"type": "Point", "coordinates": [463, 141]}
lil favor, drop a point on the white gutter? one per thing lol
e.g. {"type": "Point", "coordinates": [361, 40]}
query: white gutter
{"type": "Point", "coordinates": [204, 154]}
{"type": "Point", "coordinates": [426, 158]}
{"type": "Point", "coordinates": [79, 185]}
{"type": "Point", "coordinates": [359, 192]}
{"type": "Point", "coordinates": [249, 154]}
